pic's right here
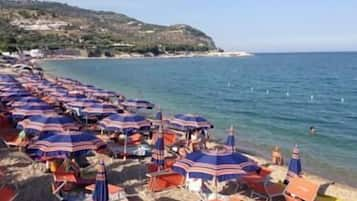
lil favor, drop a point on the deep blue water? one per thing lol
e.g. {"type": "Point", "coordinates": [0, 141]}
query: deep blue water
{"type": "Point", "coordinates": [271, 99]}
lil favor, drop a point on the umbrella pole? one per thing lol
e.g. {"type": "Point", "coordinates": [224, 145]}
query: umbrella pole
{"type": "Point", "coordinates": [125, 141]}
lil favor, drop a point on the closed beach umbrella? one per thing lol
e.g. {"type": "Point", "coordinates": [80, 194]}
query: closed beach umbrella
{"type": "Point", "coordinates": [25, 111]}
{"type": "Point", "coordinates": [294, 168]}
{"type": "Point", "coordinates": [100, 110]}
{"type": "Point", "coordinates": [220, 165]}
{"type": "Point", "coordinates": [66, 144]}
{"type": "Point", "coordinates": [136, 103]}
{"type": "Point", "coordinates": [190, 121]}
{"type": "Point", "coordinates": [101, 192]}
{"type": "Point", "coordinates": [230, 142]}
{"type": "Point", "coordinates": [39, 124]}
{"type": "Point", "coordinates": [158, 153]}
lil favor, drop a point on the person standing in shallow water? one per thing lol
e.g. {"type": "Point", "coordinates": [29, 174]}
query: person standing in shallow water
{"type": "Point", "coordinates": [312, 130]}
{"type": "Point", "coordinates": [277, 157]}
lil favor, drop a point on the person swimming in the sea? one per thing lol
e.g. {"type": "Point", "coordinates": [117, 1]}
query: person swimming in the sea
{"type": "Point", "coordinates": [312, 130]}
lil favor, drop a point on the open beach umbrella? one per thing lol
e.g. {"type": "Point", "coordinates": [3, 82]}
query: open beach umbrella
{"type": "Point", "coordinates": [158, 153]}
{"type": "Point", "coordinates": [294, 168]}
{"type": "Point", "coordinates": [63, 80]}
{"type": "Point", "coordinates": [100, 109]}
{"type": "Point", "coordinates": [190, 121]}
{"type": "Point", "coordinates": [220, 165]}
{"type": "Point", "coordinates": [25, 111]}
{"type": "Point", "coordinates": [50, 123]}
{"type": "Point", "coordinates": [25, 101]}
{"type": "Point", "coordinates": [101, 192]}
{"type": "Point", "coordinates": [215, 164]}
{"type": "Point", "coordinates": [136, 103]}
{"type": "Point", "coordinates": [67, 98]}
{"type": "Point", "coordinates": [104, 93]}
{"type": "Point", "coordinates": [66, 144]}
{"type": "Point", "coordinates": [230, 142]}
{"type": "Point", "coordinates": [125, 123]}
{"type": "Point", "coordinates": [82, 103]}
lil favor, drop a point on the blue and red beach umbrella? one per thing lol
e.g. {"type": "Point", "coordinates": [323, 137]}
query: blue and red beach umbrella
{"type": "Point", "coordinates": [26, 111]}
{"type": "Point", "coordinates": [103, 93]}
{"type": "Point", "coordinates": [230, 142]}
{"type": "Point", "coordinates": [100, 109]}
{"type": "Point", "coordinates": [125, 123]}
{"type": "Point", "coordinates": [82, 103]}
{"type": "Point", "coordinates": [101, 192]}
{"type": "Point", "coordinates": [137, 103]}
{"type": "Point", "coordinates": [41, 124]}
{"type": "Point", "coordinates": [26, 101]}
{"type": "Point", "coordinates": [220, 165]}
{"type": "Point", "coordinates": [295, 167]}
{"type": "Point", "coordinates": [66, 144]}
{"type": "Point", "coordinates": [158, 153]}
{"type": "Point", "coordinates": [189, 121]}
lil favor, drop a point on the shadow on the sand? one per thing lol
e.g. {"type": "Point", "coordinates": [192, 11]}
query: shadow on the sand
{"type": "Point", "coordinates": [36, 188]}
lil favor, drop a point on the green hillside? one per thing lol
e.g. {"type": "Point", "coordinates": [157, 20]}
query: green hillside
{"type": "Point", "coordinates": [49, 25]}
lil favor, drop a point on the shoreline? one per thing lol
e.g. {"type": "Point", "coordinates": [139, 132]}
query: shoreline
{"type": "Point", "coordinates": [340, 190]}
{"type": "Point", "coordinates": [264, 154]}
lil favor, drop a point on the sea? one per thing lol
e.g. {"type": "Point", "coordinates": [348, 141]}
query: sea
{"type": "Point", "coordinates": [271, 99]}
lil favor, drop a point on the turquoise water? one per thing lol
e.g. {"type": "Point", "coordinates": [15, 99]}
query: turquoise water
{"type": "Point", "coordinates": [271, 99]}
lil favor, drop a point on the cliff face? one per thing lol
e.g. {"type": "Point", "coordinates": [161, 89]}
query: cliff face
{"type": "Point", "coordinates": [40, 24]}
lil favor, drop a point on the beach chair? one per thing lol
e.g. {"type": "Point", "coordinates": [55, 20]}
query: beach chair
{"type": "Point", "coordinates": [8, 193]}
{"type": "Point", "coordinates": [263, 188]}
{"type": "Point", "coordinates": [301, 189]}
{"type": "Point", "coordinates": [163, 180]}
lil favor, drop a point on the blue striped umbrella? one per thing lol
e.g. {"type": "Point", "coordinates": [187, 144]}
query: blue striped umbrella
{"type": "Point", "coordinates": [189, 121]}
{"type": "Point", "coordinates": [103, 93]}
{"type": "Point", "coordinates": [10, 96]}
{"type": "Point", "coordinates": [100, 110]}
{"type": "Point", "coordinates": [67, 98]}
{"type": "Point", "coordinates": [158, 153]}
{"type": "Point", "coordinates": [220, 165]}
{"type": "Point", "coordinates": [29, 100]}
{"type": "Point", "coordinates": [66, 144]}
{"type": "Point", "coordinates": [101, 192]}
{"type": "Point", "coordinates": [294, 169]}
{"type": "Point", "coordinates": [25, 111]}
{"type": "Point", "coordinates": [230, 142]}
{"type": "Point", "coordinates": [136, 103]}
{"type": "Point", "coordinates": [40, 124]}
{"type": "Point", "coordinates": [125, 123]}
{"type": "Point", "coordinates": [82, 103]}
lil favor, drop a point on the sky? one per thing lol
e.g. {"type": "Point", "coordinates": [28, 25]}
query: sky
{"type": "Point", "coordinates": [251, 25]}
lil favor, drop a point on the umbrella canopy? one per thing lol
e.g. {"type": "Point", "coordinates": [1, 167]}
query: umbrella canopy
{"type": "Point", "coordinates": [39, 124]}
{"type": "Point", "coordinates": [67, 99]}
{"type": "Point", "coordinates": [158, 153]}
{"type": "Point", "coordinates": [66, 144]}
{"type": "Point", "coordinates": [230, 142]}
{"type": "Point", "coordinates": [124, 122]}
{"type": "Point", "coordinates": [294, 169]}
{"type": "Point", "coordinates": [100, 110]}
{"type": "Point", "coordinates": [25, 111]}
{"type": "Point", "coordinates": [29, 100]}
{"type": "Point", "coordinates": [215, 164]}
{"type": "Point", "coordinates": [81, 103]}
{"type": "Point", "coordinates": [136, 103]}
{"type": "Point", "coordinates": [101, 192]}
{"type": "Point", "coordinates": [104, 93]}
{"type": "Point", "coordinates": [189, 121]}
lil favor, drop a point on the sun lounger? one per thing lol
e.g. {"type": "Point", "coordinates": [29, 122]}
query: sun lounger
{"type": "Point", "coordinates": [261, 187]}
{"type": "Point", "coordinates": [159, 181]}
{"type": "Point", "coordinates": [301, 189]}
{"type": "Point", "coordinates": [7, 193]}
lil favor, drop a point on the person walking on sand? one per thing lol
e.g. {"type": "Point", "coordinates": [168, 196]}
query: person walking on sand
{"type": "Point", "coordinates": [277, 157]}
